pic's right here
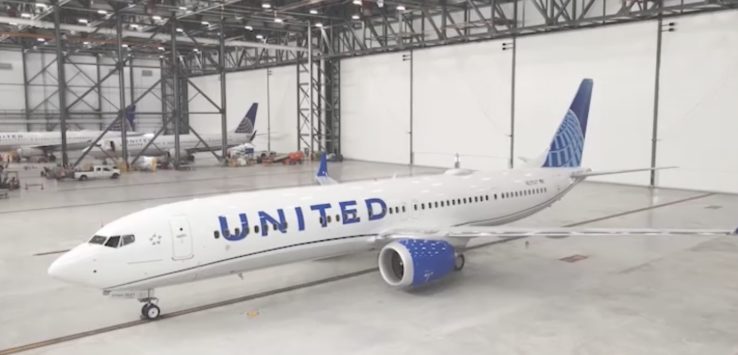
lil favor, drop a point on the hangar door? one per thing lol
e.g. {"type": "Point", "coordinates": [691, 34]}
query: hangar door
{"type": "Point", "coordinates": [181, 238]}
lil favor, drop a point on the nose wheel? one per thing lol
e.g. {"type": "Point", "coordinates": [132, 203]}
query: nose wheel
{"type": "Point", "coordinates": [459, 262]}
{"type": "Point", "coordinates": [150, 310]}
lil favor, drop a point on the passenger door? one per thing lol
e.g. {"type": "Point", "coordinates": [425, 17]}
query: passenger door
{"type": "Point", "coordinates": [181, 238]}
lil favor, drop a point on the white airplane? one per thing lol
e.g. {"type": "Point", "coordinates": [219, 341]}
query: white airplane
{"type": "Point", "coordinates": [421, 225]}
{"type": "Point", "coordinates": [189, 143]}
{"type": "Point", "coordinates": [32, 144]}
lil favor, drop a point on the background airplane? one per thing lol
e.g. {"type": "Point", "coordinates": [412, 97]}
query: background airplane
{"type": "Point", "coordinates": [33, 144]}
{"type": "Point", "coordinates": [189, 143]}
{"type": "Point", "coordinates": [421, 225]}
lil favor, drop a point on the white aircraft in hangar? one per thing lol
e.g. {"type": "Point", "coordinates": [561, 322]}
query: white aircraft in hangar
{"type": "Point", "coordinates": [421, 225]}
{"type": "Point", "coordinates": [34, 144]}
{"type": "Point", "coordinates": [189, 143]}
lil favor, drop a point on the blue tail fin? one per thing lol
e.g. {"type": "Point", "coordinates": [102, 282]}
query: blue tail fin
{"type": "Point", "coordinates": [568, 143]}
{"type": "Point", "coordinates": [248, 123]}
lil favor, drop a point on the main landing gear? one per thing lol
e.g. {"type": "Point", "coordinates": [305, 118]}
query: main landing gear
{"type": "Point", "coordinates": [150, 310]}
{"type": "Point", "coordinates": [459, 261]}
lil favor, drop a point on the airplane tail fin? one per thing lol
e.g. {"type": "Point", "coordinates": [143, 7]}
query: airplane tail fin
{"type": "Point", "coordinates": [248, 123]}
{"type": "Point", "coordinates": [567, 145]}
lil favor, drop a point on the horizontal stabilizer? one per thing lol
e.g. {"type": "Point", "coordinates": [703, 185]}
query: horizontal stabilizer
{"type": "Point", "coordinates": [584, 174]}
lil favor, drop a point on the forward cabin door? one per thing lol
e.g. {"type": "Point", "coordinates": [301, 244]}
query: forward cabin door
{"type": "Point", "coordinates": [181, 238]}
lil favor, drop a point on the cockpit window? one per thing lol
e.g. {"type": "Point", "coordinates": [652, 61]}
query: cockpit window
{"type": "Point", "coordinates": [127, 239]}
{"type": "Point", "coordinates": [113, 241]}
{"type": "Point", "coordinates": [98, 239]}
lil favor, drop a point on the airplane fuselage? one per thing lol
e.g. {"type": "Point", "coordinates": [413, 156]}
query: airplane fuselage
{"type": "Point", "coordinates": [26, 141]}
{"type": "Point", "coordinates": [203, 238]}
{"type": "Point", "coordinates": [164, 145]}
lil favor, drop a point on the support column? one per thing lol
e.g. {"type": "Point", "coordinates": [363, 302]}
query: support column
{"type": "Point", "coordinates": [176, 112]}
{"type": "Point", "coordinates": [99, 92]}
{"type": "Point", "coordinates": [62, 83]}
{"type": "Point", "coordinates": [25, 89]}
{"type": "Point", "coordinates": [121, 88]}
{"type": "Point", "coordinates": [511, 164]}
{"type": "Point", "coordinates": [223, 118]}
{"type": "Point", "coordinates": [131, 88]}
{"type": "Point", "coordinates": [657, 83]}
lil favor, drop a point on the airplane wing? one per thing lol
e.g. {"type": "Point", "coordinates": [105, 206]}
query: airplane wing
{"type": "Point", "coordinates": [469, 232]}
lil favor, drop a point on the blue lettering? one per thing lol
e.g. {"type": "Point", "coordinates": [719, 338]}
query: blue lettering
{"type": "Point", "coordinates": [240, 234]}
{"type": "Point", "coordinates": [348, 212]}
{"type": "Point", "coordinates": [321, 207]}
{"type": "Point", "coordinates": [375, 215]}
{"type": "Point", "coordinates": [268, 221]}
{"type": "Point", "coordinates": [300, 219]}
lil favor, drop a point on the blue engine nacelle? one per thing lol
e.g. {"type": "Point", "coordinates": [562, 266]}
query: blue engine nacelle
{"type": "Point", "coordinates": [415, 262]}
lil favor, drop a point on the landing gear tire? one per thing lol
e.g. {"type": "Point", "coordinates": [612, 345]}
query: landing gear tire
{"type": "Point", "coordinates": [150, 311]}
{"type": "Point", "coordinates": [459, 262]}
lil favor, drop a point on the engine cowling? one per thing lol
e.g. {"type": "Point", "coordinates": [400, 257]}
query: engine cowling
{"type": "Point", "coordinates": [410, 263]}
{"type": "Point", "coordinates": [29, 152]}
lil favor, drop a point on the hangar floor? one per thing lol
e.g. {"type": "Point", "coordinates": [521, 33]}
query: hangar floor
{"type": "Point", "coordinates": [627, 295]}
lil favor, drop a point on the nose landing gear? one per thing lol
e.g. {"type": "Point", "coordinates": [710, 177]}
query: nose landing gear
{"type": "Point", "coordinates": [150, 311]}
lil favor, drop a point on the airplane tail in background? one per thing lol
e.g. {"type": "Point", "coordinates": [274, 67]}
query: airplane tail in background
{"type": "Point", "coordinates": [567, 145]}
{"type": "Point", "coordinates": [248, 123]}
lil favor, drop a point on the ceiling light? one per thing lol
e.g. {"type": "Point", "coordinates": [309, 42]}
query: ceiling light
{"type": "Point", "coordinates": [278, 20]}
{"type": "Point", "coordinates": [156, 18]}
{"type": "Point", "coordinates": [41, 39]}
{"type": "Point", "coordinates": [205, 23]}
{"type": "Point", "coordinates": [195, 50]}
{"type": "Point", "coordinates": [86, 43]}
{"type": "Point", "coordinates": [260, 36]}
{"type": "Point", "coordinates": [102, 12]}
{"type": "Point", "coordinates": [26, 15]}
{"type": "Point", "coordinates": [313, 12]}
{"type": "Point", "coordinates": [400, 7]}
{"type": "Point", "coordinates": [161, 48]}
{"type": "Point", "coordinates": [248, 28]}
{"type": "Point", "coordinates": [180, 30]}
{"type": "Point", "coordinates": [357, 2]}
{"type": "Point", "coordinates": [355, 17]}
{"type": "Point", "coordinates": [134, 26]}
{"type": "Point", "coordinates": [124, 45]}
{"type": "Point", "coordinates": [183, 8]}
{"type": "Point", "coordinates": [319, 25]}
{"type": "Point", "coordinates": [41, 5]}
{"type": "Point", "coordinates": [83, 20]}
{"type": "Point", "coordinates": [266, 5]}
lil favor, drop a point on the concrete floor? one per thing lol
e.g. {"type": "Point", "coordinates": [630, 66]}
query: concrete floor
{"type": "Point", "coordinates": [631, 295]}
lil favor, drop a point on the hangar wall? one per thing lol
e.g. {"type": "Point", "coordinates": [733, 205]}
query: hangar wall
{"type": "Point", "coordinates": [461, 98]}
{"type": "Point", "coordinates": [42, 95]}
{"type": "Point", "coordinates": [243, 89]}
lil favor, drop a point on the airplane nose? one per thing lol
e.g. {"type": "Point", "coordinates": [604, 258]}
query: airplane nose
{"type": "Point", "coordinates": [73, 267]}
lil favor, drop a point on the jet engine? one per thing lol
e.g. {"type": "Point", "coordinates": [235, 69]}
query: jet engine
{"type": "Point", "coordinates": [29, 152]}
{"type": "Point", "coordinates": [408, 263]}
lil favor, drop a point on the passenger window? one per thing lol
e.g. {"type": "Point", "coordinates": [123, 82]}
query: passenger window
{"type": "Point", "coordinates": [415, 206]}
{"type": "Point", "coordinates": [390, 210]}
{"type": "Point", "coordinates": [284, 226]}
{"type": "Point", "coordinates": [464, 200]}
{"type": "Point", "coordinates": [403, 209]}
{"type": "Point", "coordinates": [338, 218]}
{"type": "Point", "coordinates": [256, 229]}
{"type": "Point", "coordinates": [113, 242]}
{"type": "Point", "coordinates": [237, 231]}
{"type": "Point", "coordinates": [98, 239]}
{"type": "Point", "coordinates": [328, 219]}
{"type": "Point", "coordinates": [436, 204]}
{"type": "Point", "coordinates": [422, 206]}
{"type": "Point", "coordinates": [216, 234]}
{"type": "Point", "coordinates": [128, 239]}
{"type": "Point", "coordinates": [276, 228]}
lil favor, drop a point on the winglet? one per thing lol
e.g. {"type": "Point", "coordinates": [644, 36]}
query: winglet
{"type": "Point", "coordinates": [323, 168]}
{"type": "Point", "coordinates": [321, 177]}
